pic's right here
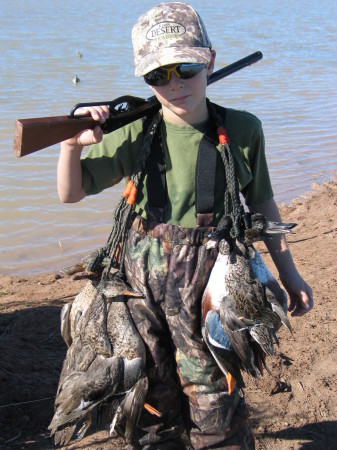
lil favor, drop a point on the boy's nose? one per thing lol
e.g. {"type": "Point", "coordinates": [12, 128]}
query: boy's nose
{"type": "Point", "coordinates": [175, 81]}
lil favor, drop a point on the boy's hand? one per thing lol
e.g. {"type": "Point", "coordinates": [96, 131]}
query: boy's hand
{"type": "Point", "coordinates": [69, 171]}
{"type": "Point", "coordinates": [89, 137]}
{"type": "Point", "coordinates": [300, 295]}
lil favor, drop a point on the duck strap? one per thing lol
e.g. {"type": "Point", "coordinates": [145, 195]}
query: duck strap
{"type": "Point", "coordinates": [112, 255]}
{"type": "Point", "coordinates": [233, 208]}
{"type": "Point", "coordinates": [240, 220]}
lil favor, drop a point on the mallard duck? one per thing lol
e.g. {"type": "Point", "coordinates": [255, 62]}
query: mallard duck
{"type": "Point", "coordinates": [243, 305]}
{"type": "Point", "coordinates": [105, 361]}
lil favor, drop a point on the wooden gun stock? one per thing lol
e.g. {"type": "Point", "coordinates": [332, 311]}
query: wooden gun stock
{"type": "Point", "coordinates": [31, 135]}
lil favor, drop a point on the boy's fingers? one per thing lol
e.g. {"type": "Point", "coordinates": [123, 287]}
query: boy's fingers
{"type": "Point", "coordinates": [301, 305]}
{"type": "Point", "coordinates": [98, 113]}
{"type": "Point", "coordinates": [97, 134]}
{"type": "Point", "coordinates": [89, 137]}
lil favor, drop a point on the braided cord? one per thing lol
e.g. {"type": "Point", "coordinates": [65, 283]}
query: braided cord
{"type": "Point", "coordinates": [112, 255]}
{"type": "Point", "coordinates": [233, 207]}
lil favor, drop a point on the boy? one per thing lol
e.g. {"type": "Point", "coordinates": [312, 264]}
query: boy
{"type": "Point", "coordinates": [165, 256]}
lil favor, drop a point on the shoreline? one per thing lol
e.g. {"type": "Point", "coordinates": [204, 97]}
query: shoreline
{"type": "Point", "coordinates": [285, 209]}
{"type": "Point", "coordinates": [69, 260]}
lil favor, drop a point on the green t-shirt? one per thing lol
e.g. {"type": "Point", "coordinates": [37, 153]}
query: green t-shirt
{"type": "Point", "coordinates": [107, 163]}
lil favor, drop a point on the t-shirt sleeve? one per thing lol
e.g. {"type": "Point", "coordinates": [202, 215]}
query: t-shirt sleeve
{"type": "Point", "coordinates": [101, 167]}
{"type": "Point", "coordinates": [108, 162]}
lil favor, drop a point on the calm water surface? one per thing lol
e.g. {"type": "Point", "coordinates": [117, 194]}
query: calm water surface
{"type": "Point", "coordinates": [292, 90]}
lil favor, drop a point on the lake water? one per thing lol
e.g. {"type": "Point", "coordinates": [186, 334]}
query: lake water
{"type": "Point", "coordinates": [292, 90]}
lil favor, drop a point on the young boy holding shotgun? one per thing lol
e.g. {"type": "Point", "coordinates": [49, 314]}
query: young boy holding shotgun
{"type": "Point", "coordinates": [170, 161]}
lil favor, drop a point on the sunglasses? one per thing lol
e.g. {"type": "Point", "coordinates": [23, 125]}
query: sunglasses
{"type": "Point", "coordinates": [162, 75]}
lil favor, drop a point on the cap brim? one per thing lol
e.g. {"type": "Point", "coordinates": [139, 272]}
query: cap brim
{"type": "Point", "coordinates": [172, 55]}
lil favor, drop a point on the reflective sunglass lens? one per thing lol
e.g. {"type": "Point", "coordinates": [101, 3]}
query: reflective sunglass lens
{"type": "Point", "coordinates": [162, 75]}
{"type": "Point", "coordinates": [187, 71]}
{"type": "Point", "coordinates": [157, 77]}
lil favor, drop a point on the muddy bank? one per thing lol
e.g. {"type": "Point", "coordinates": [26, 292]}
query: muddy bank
{"type": "Point", "coordinates": [303, 416]}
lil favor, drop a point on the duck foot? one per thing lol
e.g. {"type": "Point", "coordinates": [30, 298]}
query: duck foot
{"type": "Point", "coordinates": [81, 432]}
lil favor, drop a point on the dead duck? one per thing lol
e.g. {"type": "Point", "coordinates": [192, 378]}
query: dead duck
{"type": "Point", "coordinates": [262, 229]}
{"type": "Point", "coordinates": [243, 303]}
{"type": "Point", "coordinates": [90, 267]}
{"type": "Point", "coordinates": [72, 312]}
{"type": "Point", "coordinates": [105, 361]}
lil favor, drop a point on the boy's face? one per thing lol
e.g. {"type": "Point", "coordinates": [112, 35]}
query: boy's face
{"type": "Point", "coordinates": [184, 101]}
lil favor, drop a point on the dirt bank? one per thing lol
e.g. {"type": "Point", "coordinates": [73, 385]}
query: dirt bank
{"type": "Point", "coordinates": [304, 416]}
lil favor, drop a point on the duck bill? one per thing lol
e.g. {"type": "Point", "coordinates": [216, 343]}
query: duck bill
{"type": "Point", "coordinates": [280, 228]}
{"type": "Point", "coordinates": [152, 410]}
{"type": "Point", "coordinates": [135, 294]}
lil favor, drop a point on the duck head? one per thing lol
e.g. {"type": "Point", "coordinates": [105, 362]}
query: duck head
{"type": "Point", "coordinates": [262, 228]}
{"type": "Point", "coordinates": [115, 286]}
{"type": "Point", "coordinates": [257, 228]}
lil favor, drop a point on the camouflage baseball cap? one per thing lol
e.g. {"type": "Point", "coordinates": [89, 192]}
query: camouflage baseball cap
{"type": "Point", "coordinates": [169, 33]}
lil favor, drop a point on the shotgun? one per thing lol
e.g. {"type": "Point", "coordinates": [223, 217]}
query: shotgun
{"type": "Point", "coordinates": [31, 135]}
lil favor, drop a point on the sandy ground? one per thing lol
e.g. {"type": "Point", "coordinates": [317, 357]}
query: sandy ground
{"type": "Point", "coordinates": [303, 416]}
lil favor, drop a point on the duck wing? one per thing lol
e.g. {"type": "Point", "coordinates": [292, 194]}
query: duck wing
{"type": "Point", "coordinates": [220, 347]}
{"type": "Point", "coordinates": [238, 335]}
{"type": "Point", "coordinates": [263, 335]}
{"type": "Point", "coordinates": [82, 391]}
{"type": "Point", "coordinates": [279, 308]}
{"type": "Point", "coordinates": [133, 405]}
{"type": "Point", "coordinates": [275, 295]}
{"type": "Point", "coordinates": [65, 324]}
{"type": "Point", "coordinates": [72, 312]}
{"type": "Point", "coordinates": [122, 411]}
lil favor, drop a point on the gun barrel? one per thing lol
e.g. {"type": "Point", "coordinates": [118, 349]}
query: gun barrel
{"type": "Point", "coordinates": [234, 67]}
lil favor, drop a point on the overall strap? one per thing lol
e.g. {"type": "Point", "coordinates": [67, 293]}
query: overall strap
{"type": "Point", "coordinates": [205, 182]}
{"type": "Point", "coordinates": [205, 174]}
{"type": "Point", "coordinates": [156, 177]}
{"type": "Point", "coordinates": [204, 178]}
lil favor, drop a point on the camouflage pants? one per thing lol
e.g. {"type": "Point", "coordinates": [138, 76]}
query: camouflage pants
{"type": "Point", "coordinates": [171, 266]}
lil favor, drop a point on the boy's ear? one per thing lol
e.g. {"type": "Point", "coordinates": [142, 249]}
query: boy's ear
{"type": "Point", "coordinates": [210, 67]}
